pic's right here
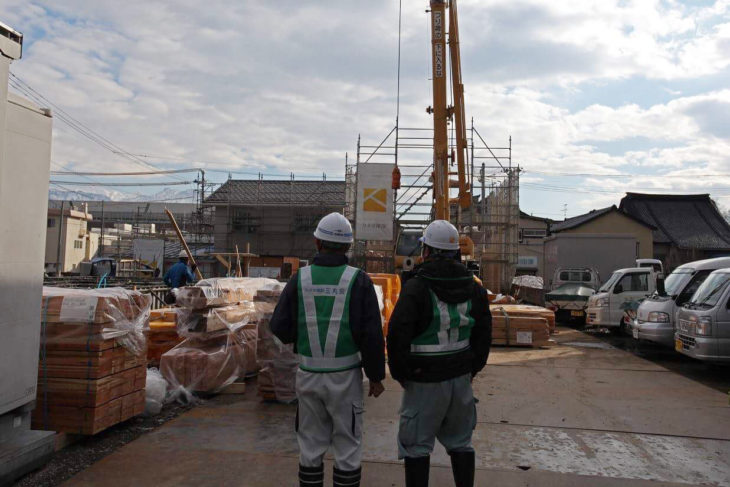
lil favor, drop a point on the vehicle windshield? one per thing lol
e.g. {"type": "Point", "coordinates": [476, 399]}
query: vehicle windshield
{"type": "Point", "coordinates": [675, 282]}
{"type": "Point", "coordinates": [611, 281]}
{"type": "Point", "coordinates": [408, 244]}
{"type": "Point", "coordinates": [575, 276]}
{"type": "Point", "coordinates": [709, 293]}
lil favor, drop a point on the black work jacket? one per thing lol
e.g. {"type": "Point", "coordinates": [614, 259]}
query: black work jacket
{"type": "Point", "coordinates": [365, 320]}
{"type": "Point", "coordinates": [452, 283]}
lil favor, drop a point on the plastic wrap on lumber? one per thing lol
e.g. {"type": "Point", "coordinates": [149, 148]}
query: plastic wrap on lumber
{"type": "Point", "coordinates": [86, 318]}
{"type": "Point", "coordinates": [526, 310]}
{"type": "Point", "coordinates": [230, 317]}
{"type": "Point", "coordinates": [223, 291]}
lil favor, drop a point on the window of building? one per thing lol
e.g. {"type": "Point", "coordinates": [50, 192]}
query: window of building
{"type": "Point", "coordinates": [78, 244]}
{"type": "Point", "coordinates": [51, 223]}
{"type": "Point", "coordinates": [243, 221]}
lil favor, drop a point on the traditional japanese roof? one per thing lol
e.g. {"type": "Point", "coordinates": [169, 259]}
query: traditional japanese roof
{"type": "Point", "coordinates": [278, 193]}
{"type": "Point", "coordinates": [689, 221]}
{"type": "Point", "coordinates": [579, 220]}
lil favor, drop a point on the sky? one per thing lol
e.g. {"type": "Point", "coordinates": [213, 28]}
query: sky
{"type": "Point", "coordinates": [599, 97]}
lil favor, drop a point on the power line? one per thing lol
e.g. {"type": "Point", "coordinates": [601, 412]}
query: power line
{"type": "Point", "coordinates": [587, 175]}
{"type": "Point", "coordinates": [74, 123]}
{"type": "Point", "coordinates": [86, 183]}
{"type": "Point", "coordinates": [138, 173]}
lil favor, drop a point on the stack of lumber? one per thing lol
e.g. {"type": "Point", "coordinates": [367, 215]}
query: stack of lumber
{"type": "Point", "coordinates": [222, 291]}
{"type": "Point", "coordinates": [220, 326]}
{"type": "Point", "coordinates": [528, 311]}
{"type": "Point", "coordinates": [277, 378]}
{"type": "Point", "coordinates": [514, 325]}
{"type": "Point", "coordinates": [93, 361]}
{"type": "Point", "coordinates": [162, 335]}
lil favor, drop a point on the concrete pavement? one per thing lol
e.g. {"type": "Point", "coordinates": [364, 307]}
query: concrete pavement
{"type": "Point", "coordinates": [581, 413]}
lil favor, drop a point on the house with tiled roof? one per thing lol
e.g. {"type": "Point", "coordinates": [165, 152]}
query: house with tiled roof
{"type": "Point", "coordinates": [686, 227]}
{"type": "Point", "coordinates": [277, 218]}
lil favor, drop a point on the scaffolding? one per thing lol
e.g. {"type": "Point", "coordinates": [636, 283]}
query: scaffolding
{"type": "Point", "coordinates": [492, 221]}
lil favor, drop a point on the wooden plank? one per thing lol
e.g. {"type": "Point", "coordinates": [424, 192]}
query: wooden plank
{"type": "Point", "coordinates": [87, 392]}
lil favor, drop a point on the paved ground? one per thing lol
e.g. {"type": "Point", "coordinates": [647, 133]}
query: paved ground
{"type": "Point", "coordinates": [585, 412]}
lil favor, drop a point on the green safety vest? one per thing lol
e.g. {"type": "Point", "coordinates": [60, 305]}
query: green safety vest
{"type": "Point", "coordinates": [324, 339]}
{"type": "Point", "coordinates": [449, 330]}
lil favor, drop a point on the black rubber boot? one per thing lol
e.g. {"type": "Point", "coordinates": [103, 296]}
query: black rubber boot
{"type": "Point", "coordinates": [346, 478]}
{"type": "Point", "coordinates": [311, 476]}
{"type": "Point", "coordinates": [462, 464]}
{"type": "Point", "coordinates": [417, 471]}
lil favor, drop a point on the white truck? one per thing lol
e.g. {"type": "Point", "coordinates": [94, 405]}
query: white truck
{"type": "Point", "coordinates": [621, 292]}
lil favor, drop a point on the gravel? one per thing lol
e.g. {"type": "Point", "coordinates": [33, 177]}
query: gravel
{"type": "Point", "coordinates": [90, 449]}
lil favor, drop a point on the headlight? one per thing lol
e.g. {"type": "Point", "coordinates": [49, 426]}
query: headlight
{"type": "Point", "coordinates": [704, 326]}
{"type": "Point", "coordinates": [658, 317]}
{"type": "Point", "coordinates": [601, 302]}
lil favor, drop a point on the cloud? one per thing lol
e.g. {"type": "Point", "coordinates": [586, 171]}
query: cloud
{"type": "Point", "coordinates": [288, 86]}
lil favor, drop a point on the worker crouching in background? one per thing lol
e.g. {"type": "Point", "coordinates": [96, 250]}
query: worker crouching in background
{"type": "Point", "coordinates": [330, 312]}
{"type": "Point", "coordinates": [438, 340]}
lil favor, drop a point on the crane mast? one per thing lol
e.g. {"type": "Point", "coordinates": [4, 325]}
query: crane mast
{"type": "Point", "coordinates": [442, 113]}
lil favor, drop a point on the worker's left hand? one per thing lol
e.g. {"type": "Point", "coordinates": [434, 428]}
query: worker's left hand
{"type": "Point", "coordinates": [376, 389]}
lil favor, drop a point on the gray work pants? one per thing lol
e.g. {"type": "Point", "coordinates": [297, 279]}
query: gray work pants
{"type": "Point", "coordinates": [445, 410]}
{"type": "Point", "coordinates": [330, 413]}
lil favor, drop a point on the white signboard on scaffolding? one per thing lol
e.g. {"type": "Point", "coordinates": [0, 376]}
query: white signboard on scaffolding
{"type": "Point", "coordinates": [374, 214]}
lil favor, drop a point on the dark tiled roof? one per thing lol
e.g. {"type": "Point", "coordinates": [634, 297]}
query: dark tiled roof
{"type": "Point", "coordinates": [687, 221]}
{"type": "Point", "coordinates": [301, 193]}
{"type": "Point", "coordinates": [536, 218]}
{"type": "Point", "coordinates": [579, 220]}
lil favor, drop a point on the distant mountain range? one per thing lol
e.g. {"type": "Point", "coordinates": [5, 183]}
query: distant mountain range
{"type": "Point", "coordinates": [167, 195]}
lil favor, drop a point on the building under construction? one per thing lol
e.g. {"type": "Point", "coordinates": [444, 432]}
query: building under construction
{"type": "Point", "coordinates": [492, 220]}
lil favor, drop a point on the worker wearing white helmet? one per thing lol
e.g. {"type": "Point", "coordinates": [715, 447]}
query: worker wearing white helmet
{"type": "Point", "coordinates": [330, 312]}
{"type": "Point", "coordinates": [180, 274]}
{"type": "Point", "coordinates": [438, 340]}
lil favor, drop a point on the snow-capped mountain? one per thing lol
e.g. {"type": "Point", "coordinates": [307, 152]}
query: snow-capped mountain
{"type": "Point", "coordinates": [102, 194]}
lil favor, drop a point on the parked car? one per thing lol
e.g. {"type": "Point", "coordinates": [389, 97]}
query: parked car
{"type": "Point", "coordinates": [656, 315]}
{"type": "Point", "coordinates": [622, 291]}
{"type": "Point", "coordinates": [570, 293]}
{"type": "Point", "coordinates": [655, 264]}
{"type": "Point", "coordinates": [703, 323]}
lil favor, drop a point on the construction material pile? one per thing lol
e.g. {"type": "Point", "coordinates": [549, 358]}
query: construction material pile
{"type": "Point", "coordinates": [522, 325]}
{"type": "Point", "coordinates": [279, 363]}
{"type": "Point", "coordinates": [219, 324]}
{"type": "Point", "coordinates": [162, 335]}
{"type": "Point", "coordinates": [92, 366]}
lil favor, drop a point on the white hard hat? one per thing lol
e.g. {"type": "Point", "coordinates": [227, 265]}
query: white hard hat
{"type": "Point", "coordinates": [183, 254]}
{"type": "Point", "coordinates": [442, 235]}
{"type": "Point", "coordinates": [334, 228]}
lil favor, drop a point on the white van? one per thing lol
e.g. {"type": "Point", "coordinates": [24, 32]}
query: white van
{"type": "Point", "coordinates": [656, 316]}
{"type": "Point", "coordinates": [703, 323]}
{"type": "Point", "coordinates": [625, 286]}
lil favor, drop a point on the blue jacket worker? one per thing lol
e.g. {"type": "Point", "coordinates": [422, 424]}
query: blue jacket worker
{"type": "Point", "coordinates": [438, 340]}
{"type": "Point", "coordinates": [329, 311]}
{"type": "Point", "coordinates": [180, 274]}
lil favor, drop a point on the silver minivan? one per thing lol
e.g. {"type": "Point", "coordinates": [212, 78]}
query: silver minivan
{"type": "Point", "coordinates": [656, 315]}
{"type": "Point", "coordinates": [703, 323]}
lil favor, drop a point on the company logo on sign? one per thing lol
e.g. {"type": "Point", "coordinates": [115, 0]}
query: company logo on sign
{"type": "Point", "coordinates": [374, 199]}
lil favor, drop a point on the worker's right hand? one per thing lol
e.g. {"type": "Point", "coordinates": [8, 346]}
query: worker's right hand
{"type": "Point", "coordinates": [376, 389]}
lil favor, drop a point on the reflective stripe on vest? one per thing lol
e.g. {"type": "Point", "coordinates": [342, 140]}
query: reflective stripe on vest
{"type": "Point", "coordinates": [447, 335]}
{"type": "Point", "coordinates": [326, 360]}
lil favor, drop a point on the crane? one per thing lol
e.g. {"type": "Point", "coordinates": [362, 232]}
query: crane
{"type": "Point", "coordinates": [407, 244]}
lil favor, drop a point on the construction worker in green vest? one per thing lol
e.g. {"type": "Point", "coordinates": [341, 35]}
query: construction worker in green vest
{"type": "Point", "coordinates": [438, 339]}
{"type": "Point", "coordinates": [330, 312]}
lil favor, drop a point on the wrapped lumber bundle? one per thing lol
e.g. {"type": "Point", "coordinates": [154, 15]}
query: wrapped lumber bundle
{"type": "Point", "coordinates": [93, 359]}
{"type": "Point", "coordinates": [221, 291]}
{"type": "Point", "coordinates": [162, 335]}
{"type": "Point", "coordinates": [279, 363]}
{"type": "Point", "coordinates": [528, 311]}
{"type": "Point", "coordinates": [520, 331]}
{"type": "Point", "coordinates": [203, 364]}
{"type": "Point", "coordinates": [220, 327]}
